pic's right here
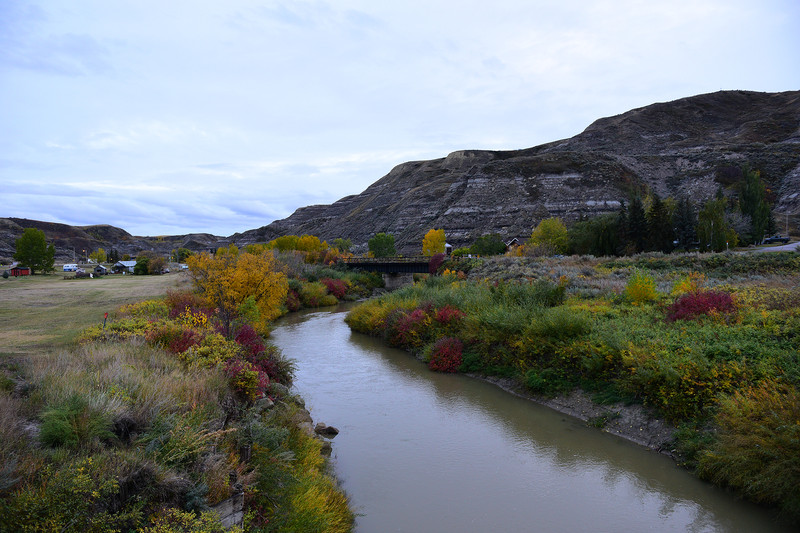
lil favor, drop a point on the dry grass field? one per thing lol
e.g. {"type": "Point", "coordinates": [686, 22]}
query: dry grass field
{"type": "Point", "coordinates": [42, 312]}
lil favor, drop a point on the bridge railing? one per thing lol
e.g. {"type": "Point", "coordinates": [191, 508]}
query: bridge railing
{"type": "Point", "coordinates": [393, 259]}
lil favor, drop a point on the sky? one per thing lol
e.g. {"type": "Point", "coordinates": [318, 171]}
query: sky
{"type": "Point", "coordinates": [173, 117]}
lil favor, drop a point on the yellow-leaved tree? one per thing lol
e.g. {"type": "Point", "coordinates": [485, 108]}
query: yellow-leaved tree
{"type": "Point", "coordinates": [433, 243]}
{"type": "Point", "coordinates": [240, 284]}
{"type": "Point", "coordinates": [551, 235]}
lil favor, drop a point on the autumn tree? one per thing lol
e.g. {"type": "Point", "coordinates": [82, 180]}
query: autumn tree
{"type": "Point", "coordinates": [310, 243]}
{"type": "Point", "coordinates": [232, 282]}
{"type": "Point", "coordinates": [284, 243]}
{"type": "Point", "coordinates": [433, 243]}
{"type": "Point", "coordinates": [98, 256]}
{"type": "Point", "coordinates": [33, 251]}
{"type": "Point", "coordinates": [179, 255]}
{"type": "Point", "coordinates": [156, 265]}
{"type": "Point", "coordinates": [382, 245]}
{"type": "Point", "coordinates": [550, 234]}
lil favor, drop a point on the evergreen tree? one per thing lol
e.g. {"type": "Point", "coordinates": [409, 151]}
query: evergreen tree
{"type": "Point", "coordinates": [623, 238]}
{"type": "Point", "coordinates": [684, 220]}
{"type": "Point", "coordinates": [637, 225]}
{"type": "Point", "coordinates": [659, 225]}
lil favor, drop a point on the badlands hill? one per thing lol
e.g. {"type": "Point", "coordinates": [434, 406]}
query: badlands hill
{"type": "Point", "coordinates": [691, 146]}
{"type": "Point", "coordinates": [688, 147]}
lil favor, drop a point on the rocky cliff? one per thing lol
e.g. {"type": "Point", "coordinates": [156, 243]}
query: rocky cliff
{"type": "Point", "coordinates": [688, 147]}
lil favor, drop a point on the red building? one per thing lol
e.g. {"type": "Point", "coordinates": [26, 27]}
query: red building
{"type": "Point", "coordinates": [20, 271]}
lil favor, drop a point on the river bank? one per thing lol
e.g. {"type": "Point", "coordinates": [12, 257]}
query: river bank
{"type": "Point", "coordinates": [707, 352]}
{"type": "Point", "coordinates": [633, 423]}
{"type": "Point", "coordinates": [432, 451]}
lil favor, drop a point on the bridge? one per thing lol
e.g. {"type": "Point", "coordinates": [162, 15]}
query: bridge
{"type": "Point", "coordinates": [391, 265]}
{"type": "Point", "coordinates": [396, 271]}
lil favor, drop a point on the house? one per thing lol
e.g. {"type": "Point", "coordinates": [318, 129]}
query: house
{"type": "Point", "coordinates": [124, 267]}
{"type": "Point", "coordinates": [20, 271]}
{"type": "Point", "coordinates": [100, 270]}
{"type": "Point", "coordinates": [515, 242]}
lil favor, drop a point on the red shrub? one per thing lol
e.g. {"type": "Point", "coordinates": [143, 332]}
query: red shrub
{"type": "Point", "coordinates": [163, 335]}
{"type": "Point", "coordinates": [293, 301]}
{"type": "Point", "coordinates": [409, 327]}
{"type": "Point", "coordinates": [187, 339]}
{"type": "Point", "coordinates": [435, 262]}
{"type": "Point", "coordinates": [179, 301]}
{"type": "Point", "coordinates": [446, 355]}
{"type": "Point", "coordinates": [700, 303]}
{"type": "Point", "coordinates": [249, 339]}
{"type": "Point", "coordinates": [245, 379]}
{"type": "Point", "coordinates": [448, 314]}
{"type": "Point", "coordinates": [337, 287]}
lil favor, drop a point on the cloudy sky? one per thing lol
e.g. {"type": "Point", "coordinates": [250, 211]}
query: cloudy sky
{"type": "Point", "coordinates": [170, 117]}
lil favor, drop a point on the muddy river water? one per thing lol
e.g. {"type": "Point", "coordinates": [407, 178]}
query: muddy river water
{"type": "Point", "coordinates": [420, 451]}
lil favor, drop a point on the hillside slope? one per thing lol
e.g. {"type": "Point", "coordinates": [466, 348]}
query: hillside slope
{"type": "Point", "coordinates": [687, 147]}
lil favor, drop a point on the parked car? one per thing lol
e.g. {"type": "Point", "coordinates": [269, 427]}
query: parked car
{"type": "Point", "coordinates": [776, 239]}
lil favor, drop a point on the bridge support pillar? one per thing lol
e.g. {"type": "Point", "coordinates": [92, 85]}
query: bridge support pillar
{"type": "Point", "coordinates": [395, 280]}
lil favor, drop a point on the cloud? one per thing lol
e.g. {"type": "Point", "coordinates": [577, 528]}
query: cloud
{"type": "Point", "coordinates": [24, 44]}
{"type": "Point", "coordinates": [175, 117]}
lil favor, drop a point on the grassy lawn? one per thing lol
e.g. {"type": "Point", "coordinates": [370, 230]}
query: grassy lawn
{"type": "Point", "coordinates": [40, 312]}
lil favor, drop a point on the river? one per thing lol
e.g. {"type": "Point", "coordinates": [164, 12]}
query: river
{"type": "Point", "coordinates": [420, 451]}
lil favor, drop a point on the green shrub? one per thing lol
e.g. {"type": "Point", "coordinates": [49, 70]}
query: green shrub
{"type": "Point", "coordinates": [178, 440]}
{"type": "Point", "coordinates": [548, 381]}
{"type": "Point", "coordinates": [757, 451]}
{"type": "Point", "coordinates": [74, 497]}
{"type": "Point", "coordinates": [558, 324]}
{"type": "Point", "coordinates": [74, 423]}
{"type": "Point", "coordinates": [177, 521]}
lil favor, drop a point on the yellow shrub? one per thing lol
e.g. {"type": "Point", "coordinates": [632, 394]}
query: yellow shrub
{"type": "Point", "coordinates": [641, 288]}
{"type": "Point", "coordinates": [692, 282]}
{"type": "Point", "coordinates": [214, 350]}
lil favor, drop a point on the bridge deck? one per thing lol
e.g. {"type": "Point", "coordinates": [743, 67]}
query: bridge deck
{"type": "Point", "coordinates": [391, 265]}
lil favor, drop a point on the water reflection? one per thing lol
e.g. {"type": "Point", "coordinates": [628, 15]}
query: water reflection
{"type": "Point", "coordinates": [421, 451]}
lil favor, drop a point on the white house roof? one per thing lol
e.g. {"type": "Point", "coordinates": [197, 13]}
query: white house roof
{"type": "Point", "coordinates": [126, 264]}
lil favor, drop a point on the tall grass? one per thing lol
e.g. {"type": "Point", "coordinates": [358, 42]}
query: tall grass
{"type": "Point", "coordinates": [130, 432]}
